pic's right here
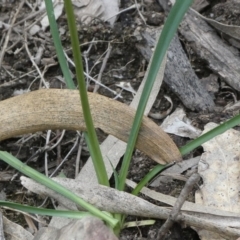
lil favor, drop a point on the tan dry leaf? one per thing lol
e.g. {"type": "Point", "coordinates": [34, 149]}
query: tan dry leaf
{"type": "Point", "coordinates": [105, 10]}
{"type": "Point", "coordinates": [14, 231]}
{"type": "Point", "coordinates": [177, 123]}
{"type": "Point", "coordinates": [58, 9]}
{"type": "Point", "coordinates": [50, 110]}
{"type": "Point", "coordinates": [219, 168]}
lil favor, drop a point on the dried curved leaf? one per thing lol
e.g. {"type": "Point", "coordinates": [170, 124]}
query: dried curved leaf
{"type": "Point", "coordinates": [111, 9]}
{"type": "Point", "coordinates": [14, 231]}
{"type": "Point", "coordinates": [80, 3]}
{"type": "Point", "coordinates": [93, 10]}
{"type": "Point", "coordinates": [60, 109]}
{"type": "Point", "coordinates": [177, 123]}
{"type": "Point", "coordinates": [163, 114]}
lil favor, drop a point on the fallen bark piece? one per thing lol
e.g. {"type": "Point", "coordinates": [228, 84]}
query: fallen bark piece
{"type": "Point", "coordinates": [229, 30]}
{"type": "Point", "coordinates": [179, 75]}
{"type": "Point", "coordinates": [88, 228]}
{"type": "Point", "coordinates": [221, 58]}
{"type": "Point", "coordinates": [112, 200]}
{"type": "Point", "coordinates": [60, 109]}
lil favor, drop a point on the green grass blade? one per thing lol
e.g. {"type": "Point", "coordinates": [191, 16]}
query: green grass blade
{"type": "Point", "coordinates": [175, 16]}
{"type": "Point", "coordinates": [44, 211]}
{"type": "Point", "coordinates": [139, 223]}
{"type": "Point", "coordinates": [115, 174]}
{"type": "Point", "coordinates": [58, 45]}
{"type": "Point", "coordinates": [157, 169]}
{"type": "Point", "coordinates": [209, 135]}
{"type": "Point", "coordinates": [49, 183]}
{"type": "Point", "coordinates": [90, 136]}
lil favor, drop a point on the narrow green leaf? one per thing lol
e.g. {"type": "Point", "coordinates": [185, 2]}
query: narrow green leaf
{"type": "Point", "coordinates": [58, 45]}
{"type": "Point", "coordinates": [44, 211]}
{"type": "Point", "coordinates": [40, 178]}
{"type": "Point", "coordinates": [170, 27]}
{"type": "Point", "coordinates": [156, 170]}
{"type": "Point", "coordinates": [90, 136]}
{"type": "Point", "coordinates": [209, 135]}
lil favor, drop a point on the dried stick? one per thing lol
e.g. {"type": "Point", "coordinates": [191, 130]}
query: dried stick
{"type": "Point", "coordinates": [178, 205]}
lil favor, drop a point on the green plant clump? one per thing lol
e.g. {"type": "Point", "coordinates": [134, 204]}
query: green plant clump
{"type": "Point", "coordinates": [116, 221]}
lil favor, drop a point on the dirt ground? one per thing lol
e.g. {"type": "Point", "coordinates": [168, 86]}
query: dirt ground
{"type": "Point", "coordinates": [125, 64]}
